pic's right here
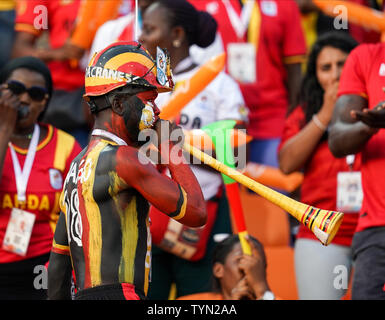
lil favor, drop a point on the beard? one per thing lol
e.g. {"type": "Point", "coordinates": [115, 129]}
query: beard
{"type": "Point", "coordinates": [132, 117]}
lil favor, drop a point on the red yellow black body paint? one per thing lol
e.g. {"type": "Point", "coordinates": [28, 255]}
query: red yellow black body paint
{"type": "Point", "coordinates": [118, 127]}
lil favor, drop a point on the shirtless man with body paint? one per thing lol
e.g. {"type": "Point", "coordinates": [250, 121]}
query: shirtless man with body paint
{"type": "Point", "coordinates": [103, 230]}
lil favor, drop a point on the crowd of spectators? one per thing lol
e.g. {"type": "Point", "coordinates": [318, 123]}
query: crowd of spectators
{"type": "Point", "coordinates": [309, 95]}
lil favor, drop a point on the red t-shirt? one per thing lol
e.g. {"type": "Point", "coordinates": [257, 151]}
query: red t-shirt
{"type": "Point", "coordinates": [218, 10]}
{"type": "Point", "coordinates": [364, 75]}
{"type": "Point", "coordinates": [61, 16]}
{"type": "Point", "coordinates": [319, 186]}
{"type": "Point", "coordinates": [281, 41]}
{"type": "Point", "coordinates": [52, 161]}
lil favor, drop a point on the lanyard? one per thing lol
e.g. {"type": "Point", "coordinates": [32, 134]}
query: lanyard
{"type": "Point", "coordinates": [239, 23]}
{"type": "Point", "coordinates": [22, 176]}
{"type": "Point", "coordinates": [109, 135]}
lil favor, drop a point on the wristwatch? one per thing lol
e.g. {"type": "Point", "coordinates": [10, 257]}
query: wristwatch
{"type": "Point", "coordinates": [268, 295]}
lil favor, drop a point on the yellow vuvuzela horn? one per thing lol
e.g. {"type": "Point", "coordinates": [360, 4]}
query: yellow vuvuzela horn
{"type": "Point", "coordinates": [323, 223]}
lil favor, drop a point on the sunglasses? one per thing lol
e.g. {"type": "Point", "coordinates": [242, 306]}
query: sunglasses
{"type": "Point", "coordinates": [36, 93]}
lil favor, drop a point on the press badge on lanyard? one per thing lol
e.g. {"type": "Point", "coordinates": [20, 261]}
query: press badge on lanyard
{"type": "Point", "coordinates": [20, 225]}
{"type": "Point", "coordinates": [241, 59]}
{"type": "Point", "coordinates": [19, 231]}
{"type": "Point", "coordinates": [349, 189]}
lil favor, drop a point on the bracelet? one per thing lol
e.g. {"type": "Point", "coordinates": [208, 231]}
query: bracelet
{"type": "Point", "coordinates": [318, 123]}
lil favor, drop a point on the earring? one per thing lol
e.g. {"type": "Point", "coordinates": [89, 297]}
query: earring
{"type": "Point", "coordinates": [176, 43]}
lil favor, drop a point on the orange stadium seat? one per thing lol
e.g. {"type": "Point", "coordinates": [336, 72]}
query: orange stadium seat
{"type": "Point", "coordinates": [281, 272]}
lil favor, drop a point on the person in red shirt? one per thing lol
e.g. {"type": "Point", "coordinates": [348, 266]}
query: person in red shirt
{"type": "Point", "coordinates": [358, 120]}
{"type": "Point", "coordinates": [33, 17]}
{"type": "Point", "coordinates": [34, 160]}
{"type": "Point", "coordinates": [265, 47]}
{"type": "Point", "coordinates": [304, 146]}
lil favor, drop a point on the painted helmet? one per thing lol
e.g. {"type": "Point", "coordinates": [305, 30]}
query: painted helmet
{"type": "Point", "coordinates": [123, 63]}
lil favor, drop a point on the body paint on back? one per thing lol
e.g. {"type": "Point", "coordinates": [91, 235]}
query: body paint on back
{"type": "Point", "coordinates": [124, 156]}
{"type": "Point", "coordinates": [175, 203]}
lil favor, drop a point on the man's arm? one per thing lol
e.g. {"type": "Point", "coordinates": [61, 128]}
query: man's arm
{"type": "Point", "coordinates": [60, 267]}
{"type": "Point", "coordinates": [293, 49]}
{"type": "Point", "coordinates": [294, 76]}
{"type": "Point", "coordinates": [25, 45]}
{"type": "Point", "coordinates": [181, 197]}
{"type": "Point", "coordinates": [347, 133]}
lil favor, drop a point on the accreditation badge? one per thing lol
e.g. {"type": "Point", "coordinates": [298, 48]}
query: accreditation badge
{"type": "Point", "coordinates": [349, 191]}
{"type": "Point", "coordinates": [241, 62]}
{"type": "Point", "coordinates": [19, 230]}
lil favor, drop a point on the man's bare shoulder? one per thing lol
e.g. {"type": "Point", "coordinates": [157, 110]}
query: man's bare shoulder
{"type": "Point", "coordinates": [132, 155]}
{"type": "Point", "coordinates": [130, 159]}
